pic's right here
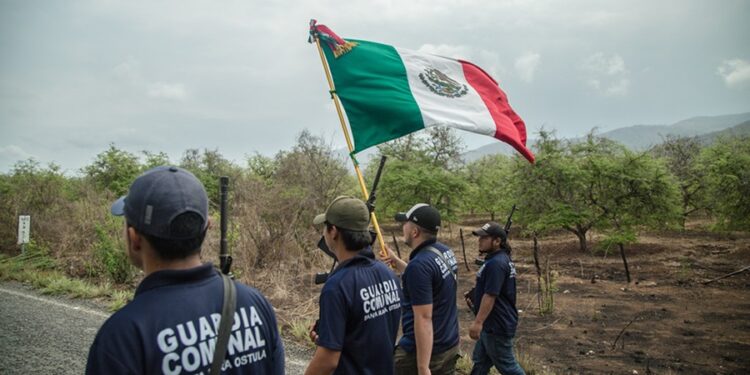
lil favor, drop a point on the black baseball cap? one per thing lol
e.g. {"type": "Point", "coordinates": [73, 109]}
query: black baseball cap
{"type": "Point", "coordinates": [160, 195]}
{"type": "Point", "coordinates": [423, 215]}
{"type": "Point", "coordinates": [491, 229]}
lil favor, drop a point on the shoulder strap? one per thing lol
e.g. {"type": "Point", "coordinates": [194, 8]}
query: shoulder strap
{"type": "Point", "coordinates": [442, 257]}
{"type": "Point", "coordinates": [227, 316]}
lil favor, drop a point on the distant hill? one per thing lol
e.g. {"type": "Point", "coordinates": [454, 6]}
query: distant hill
{"type": "Point", "coordinates": [642, 137]}
{"type": "Point", "coordinates": [742, 129]}
{"type": "Point", "coordinates": [491, 149]}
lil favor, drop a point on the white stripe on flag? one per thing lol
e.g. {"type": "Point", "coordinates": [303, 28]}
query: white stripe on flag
{"type": "Point", "coordinates": [467, 112]}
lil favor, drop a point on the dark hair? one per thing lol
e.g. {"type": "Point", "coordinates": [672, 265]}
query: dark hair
{"type": "Point", "coordinates": [183, 225]}
{"type": "Point", "coordinates": [354, 240]}
{"type": "Point", "coordinates": [504, 245]}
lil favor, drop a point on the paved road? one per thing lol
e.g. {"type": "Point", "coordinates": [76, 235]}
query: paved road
{"type": "Point", "coordinates": [51, 335]}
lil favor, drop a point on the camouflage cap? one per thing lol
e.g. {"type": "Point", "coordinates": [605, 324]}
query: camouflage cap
{"type": "Point", "coordinates": [346, 213]}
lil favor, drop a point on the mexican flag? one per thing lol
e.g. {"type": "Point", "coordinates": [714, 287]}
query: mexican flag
{"type": "Point", "coordinates": [388, 92]}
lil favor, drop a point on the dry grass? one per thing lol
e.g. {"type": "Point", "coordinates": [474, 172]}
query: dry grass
{"type": "Point", "coordinates": [35, 269]}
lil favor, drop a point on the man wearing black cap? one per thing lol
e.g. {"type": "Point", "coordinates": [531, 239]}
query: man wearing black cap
{"type": "Point", "coordinates": [171, 326]}
{"type": "Point", "coordinates": [360, 304]}
{"type": "Point", "coordinates": [494, 303]}
{"type": "Point", "coordinates": [429, 344]}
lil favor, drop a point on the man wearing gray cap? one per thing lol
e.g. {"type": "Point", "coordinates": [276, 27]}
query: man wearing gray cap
{"type": "Point", "coordinates": [172, 324]}
{"type": "Point", "coordinates": [429, 344]}
{"type": "Point", "coordinates": [360, 304]}
{"type": "Point", "coordinates": [494, 303]}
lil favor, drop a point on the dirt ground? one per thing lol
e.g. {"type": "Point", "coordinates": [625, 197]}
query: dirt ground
{"type": "Point", "coordinates": [675, 323]}
{"type": "Point", "coordinates": [667, 320]}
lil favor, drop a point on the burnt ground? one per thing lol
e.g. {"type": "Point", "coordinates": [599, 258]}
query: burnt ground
{"type": "Point", "coordinates": [676, 323]}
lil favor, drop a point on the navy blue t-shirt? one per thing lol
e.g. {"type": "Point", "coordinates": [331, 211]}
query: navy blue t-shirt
{"type": "Point", "coordinates": [428, 280]}
{"type": "Point", "coordinates": [360, 308]}
{"type": "Point", "coordinates": [497, 277]}
{"type": "Point", "coordinates": [170, 327]}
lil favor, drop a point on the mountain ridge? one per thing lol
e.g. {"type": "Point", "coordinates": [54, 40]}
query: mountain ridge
{"type": "Point", "coordinates": [642, 137]}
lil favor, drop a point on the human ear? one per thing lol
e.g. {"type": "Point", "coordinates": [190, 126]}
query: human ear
{"type": "Point", "coordinates": [134, 239]}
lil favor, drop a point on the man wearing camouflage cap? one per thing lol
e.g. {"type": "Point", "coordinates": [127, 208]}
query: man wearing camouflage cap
{"type": "Point", "coordinates": [360, 304]}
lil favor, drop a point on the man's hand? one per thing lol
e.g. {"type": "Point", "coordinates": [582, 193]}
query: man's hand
{"type": "Point", "coordinates": [313, 333]}
{"type": "Point", "coordinates": [424, 371]}
{"type": "Point", "coordinates": [475, 329]}
{"type": "Point", "coordinates": [392, 259]}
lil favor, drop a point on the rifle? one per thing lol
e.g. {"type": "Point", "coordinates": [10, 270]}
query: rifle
{"type": "Point", "coordinates": [395, 243]}
{"type": "Point", "coordinates": [509, 222]}
{"type": "Point", "coordinates": [225, 260]}
{"type": "Point", "coordinates": [321, 277]}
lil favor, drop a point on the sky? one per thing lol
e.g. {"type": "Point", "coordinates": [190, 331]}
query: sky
{"type": "Point", "coordinates": [240, 77]}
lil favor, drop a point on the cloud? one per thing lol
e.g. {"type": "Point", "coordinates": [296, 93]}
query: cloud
{"type": "Point", "coordinates": [607, 75]}
{"type": "Point", "coordinates": [13, 153]}
{"type": "Point", "coordinates": [735, 72]}
{"type": "Point", "coordinates": [601, 64]}
{"type": "Point", "coordinates": [173, 91]}
{"type": "Point", "coordinates": [618, 88]}
{"type": "Point", "coordinates": [130, 72]}
{"type": "Point", "coordinates": [526, 66]}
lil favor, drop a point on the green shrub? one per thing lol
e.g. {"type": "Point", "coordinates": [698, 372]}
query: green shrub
{"type": "Point", "coordinates": [110, 258]}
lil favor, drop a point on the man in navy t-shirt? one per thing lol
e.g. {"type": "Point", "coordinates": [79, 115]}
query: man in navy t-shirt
{"type": "Point", "coordinates": [430, 325]}
{"type": "Point", "coordinates": [360, 304]}
{"type": "Point", "coordinates": [171, 326]}
{"type": "Point", "coordinates": [494, 303]}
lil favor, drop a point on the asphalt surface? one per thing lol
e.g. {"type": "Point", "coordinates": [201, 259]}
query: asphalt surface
{"type": "Point", "coordinates": [51, 335]}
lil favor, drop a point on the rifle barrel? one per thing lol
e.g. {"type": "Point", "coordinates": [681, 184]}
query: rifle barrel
{"type": "Point", "coordinates": [371, 198]}
{"type": "Point", "coordinates": [223, 249]}
{"type": "Point", "coordinates": [463, 248]}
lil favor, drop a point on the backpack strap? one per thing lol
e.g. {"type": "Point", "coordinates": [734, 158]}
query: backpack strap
{"type": "Point", "coordinates": [442, 257]}
{"type": "Point", "coordinates": [225, 327]}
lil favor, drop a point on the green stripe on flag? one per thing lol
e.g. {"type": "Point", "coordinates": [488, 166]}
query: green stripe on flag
{"type": "Point", "coordinates": [372, 84]}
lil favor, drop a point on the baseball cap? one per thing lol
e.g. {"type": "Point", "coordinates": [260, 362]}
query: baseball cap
{"type": "Point", "coordinates": [423, 215]}
{"type": "Point", "coordinates": [160, 195]}
{"type": "Point", "coordinates": [346, 213]}
{"type": "Point", "coordinates": [491, 229]}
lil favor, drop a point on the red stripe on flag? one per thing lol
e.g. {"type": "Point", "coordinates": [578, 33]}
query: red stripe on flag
{"type": "Point", "coordinates": [509, 126]}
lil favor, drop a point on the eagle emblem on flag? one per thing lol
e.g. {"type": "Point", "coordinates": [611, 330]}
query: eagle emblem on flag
{"type": "Point", "coordinates": [439, 83]}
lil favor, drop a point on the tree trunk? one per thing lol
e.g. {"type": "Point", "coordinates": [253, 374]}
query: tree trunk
{"type": "Point", "coordinates": [581, 234]}
{"type": "Point", "coordinates": [625, 262]}
{"type": "Point", "coordinates": [538, 275]}
{"type": "Point", "coordinates": [536, 257]}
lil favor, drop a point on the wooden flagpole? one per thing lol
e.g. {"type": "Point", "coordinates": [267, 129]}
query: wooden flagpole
{"type": "Point", "coordinates": [361, 179]}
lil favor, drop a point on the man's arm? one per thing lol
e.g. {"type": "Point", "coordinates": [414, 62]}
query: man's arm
{"type": "Point", "coordinates": [324, 362]}
{"type": "Point", "coordinates": [423, 335]}
{"type": "Point", "coordinates": [485, 307]}
{"type": "Point", "coordinates": [393, 259]}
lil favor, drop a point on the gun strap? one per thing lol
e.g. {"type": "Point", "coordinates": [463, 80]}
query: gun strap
{"type": "Point", "coordinates": [225, 326]}
{"type": "Point", "coordinates": [442, 257]}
